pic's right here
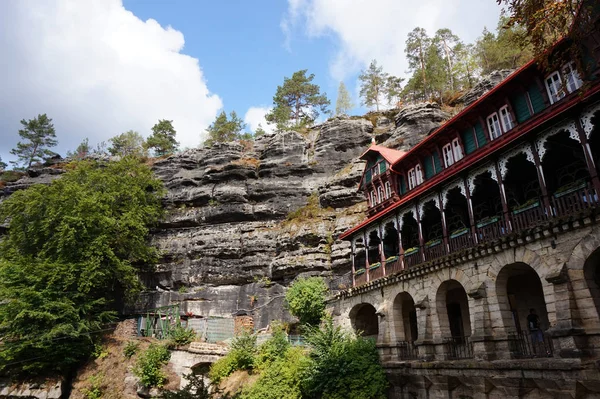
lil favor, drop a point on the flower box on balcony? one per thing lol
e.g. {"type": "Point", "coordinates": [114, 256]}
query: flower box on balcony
{"type": "Point", "coordinates": [569, 188]}
{"type": "Point", "coordinates": [411, 251]}
{"type": "Point", "coordinates": [487, 221]}
{"type": "Point", "coordinates": [533, 203]}
{"type": "Point", "coordinates": [459, 232]}
{"type": "Point", "coordinates": [433, 243]}
{"type": "Point", "coordinates": [359, 272]}
{"type": "Point", "coordinates": [375, 266]}
{"type": "Point", "coordinates": [391, 259]}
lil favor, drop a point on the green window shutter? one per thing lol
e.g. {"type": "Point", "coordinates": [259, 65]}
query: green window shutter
{"type": "Point", "coordinates": [481, 139]}
{"type": "Point", "coordinates": [368, 176]}
{"type": "Point", "coordinates": [428, 166]}
{"type": "Point", "coordinates": [537, 101]}
{"type": "Point", "coordinates": [468, 140]}
{"type": "Point", "coordinates": [437, 162]}
{"type": "Point", "coordinates": [402, 184]}
{"type": "Point", "coordinates": [520, 107]}
{"type": "Point", "coordinates": [382, 167]}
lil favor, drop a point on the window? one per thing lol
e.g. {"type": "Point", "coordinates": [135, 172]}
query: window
{"type": "Point", "coordinates": [412, 181]}
{"type": "Point", "coordinates": [418, 174]}
{"type": "Point", "coordinates": [505, 117]}
{"type": "Point", "coordinates": [457, 149]}
{"type": "Point", "coordinates": [572, 77]}
{"type": "Point", "coordinates": [553, 86]}
{"type": "Point", "coordinates": [380, 194]}
{"type": "Point", "coordinates": [375, 170]}
{"type": "Point", "coordinates": [373, 199]}
{"type": "Point", "coordinates": [448, 155]}
{"type": "Point", "coordinates": [388, 189]}
{"type": "Point", "coordinates": [494, 126]}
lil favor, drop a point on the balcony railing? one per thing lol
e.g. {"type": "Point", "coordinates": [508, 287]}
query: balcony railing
{"type": "Point", "coordinates": [394, 265]}
{"type": "Point", "coordinates": [491, 229]}
{"type": "Point", "coordinates": [434, 249]}
{"type": "Point", "coordinates": [528, 216]}
{"type": "Point", "coordinates": [459, 348]}
{"type": "Point", "coordinates": [407, 350]}
{"type": "Point", "coordinates": [574, 199]}
{"type": "Point", "coordinates": [528, 345]}
{"type": "Point", "coordinates": [360, 277]}
{"type": "Point", "coordinates": [460, 239]}
{"type": "Point", "coordinates": [412, 257]}
{"type": "Point", "coordinates": [376, 271]}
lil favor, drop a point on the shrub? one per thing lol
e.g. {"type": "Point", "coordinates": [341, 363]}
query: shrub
{"type": "Point", "coordinates": [240, 357]}
{"type": "Point", "coordinates": [282, 378]}
{"type": "Point", "coordinates": [130, 349]}
{"type": "Point", "coordinates": [195, 389]}
{"type": "Point", "coordinates": [305, 299]}
{"type": "Point", "coordinates": [273, 349]}
{"type": "Point", "coordinates": [95, 389]}
{"type": "Point", "coordinates": [182, 336]}
{"type": "Point", "coordinates": [148, 367]}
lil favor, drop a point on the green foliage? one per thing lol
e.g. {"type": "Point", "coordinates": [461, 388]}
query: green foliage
{"type": "Point", "coordinates": [129, 143]}
{"type": "Point", "coordinates": [38, 135]}
{"type": "Point", "coordinates": [273, 349]}
{"type": "Point", "coordinates": [95, 389]}
{"type": "Point", "coordinates": [223, 130]}
{"type": "Point", "coordinates": [11, 175]}
{"type": "Point", "coordinates": [2, 165]}
{"type": "Point", "coordinates": [82, 150]}
{"type": "Point", "coordinates": [282, 379]}
{"type": "Point", "coordinates": [343, 366]}
{"type": "Point", "coordinates": [100, 351]}
{"type": "Point", "coordinates": [297, 102]}
{"type": "Point", "coordinates": [343, 104]}
{"type": "Point", "coordinates": [196, 388]}
{"type": "Point", "coordinates": [259, 131]}
{"type": "Point", "coordinates": [240, 357]}
{"type": "Point", "coordinates": [372, 85]}
{"type": "Point", "coordinates": [71, 255]}
{"type": "Point", "coordinates": [182, 336]}
{"type": "Point", "coordinates": [148, 367]}
{"type": "Point", "coordinates": [305, 299]}
{"type": "Point", "coordinates": [162, 138]}
{"type": "Point", "coordinates": [131, 348]}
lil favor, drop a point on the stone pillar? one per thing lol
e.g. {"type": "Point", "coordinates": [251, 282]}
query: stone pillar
{"type": "Point", "coordinates": [481, 335]}
{"type": "Point", "coordinates": [425, 342]}
{"type": "Point", "coordinates": [567, 335]}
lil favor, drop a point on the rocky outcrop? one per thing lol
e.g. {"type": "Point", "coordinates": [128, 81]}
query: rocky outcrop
{"type": "Point", "coordinates": [413, 123]}
{"type": "Point", "coordinates": [486, 84]}
{"type": "Point", "coordinates": [39, 390]}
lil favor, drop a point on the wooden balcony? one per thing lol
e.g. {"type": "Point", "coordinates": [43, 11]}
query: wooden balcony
{"type": "Point", "coordinates": [412, 258]}
{"type": "Point", "coordinates": [574, 199]}
{"type": "Point", "coordinates": [434, 249]}
{"type": "Point", "coordinates": [394, 265]}
{"type": "Point", "coordinates": [490, 229]}
{"type": "Point", "coordinates": [376, 271]}
{"type": "Point", "coordinates": [460, 240]}
{"type": "Point", "coordinates": [528, 216]}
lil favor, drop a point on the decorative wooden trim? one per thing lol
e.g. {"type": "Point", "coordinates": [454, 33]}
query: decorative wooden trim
{"type": "Point", "coordinates": [522, 149]}
{"type": "Point", "coordinates": [473, 175]}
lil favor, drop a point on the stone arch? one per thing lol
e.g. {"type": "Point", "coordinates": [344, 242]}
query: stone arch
{"type": "Point", "coordinates": [405, 318]}
{"type": "Point", "coordinates": [591, 273]}
{"type": "Point", "coordinates": [519, 289]}
{"type": "Point", "coordinates": [452, 306]}
{"type": "Point", "coordinates": [364, 319]}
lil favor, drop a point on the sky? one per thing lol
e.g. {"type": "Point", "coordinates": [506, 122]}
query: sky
{"type": "Point", "coordinates": [101, 67]}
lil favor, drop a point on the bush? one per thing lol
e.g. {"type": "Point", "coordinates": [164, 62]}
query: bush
{"type": "Point", "coordinates": [195, 389]}
{"type": "Point", "coordinates": [305, 299]}
{"type": "Point", "coordinates": [282, 378]}
{"type": "Point", "coordinates": [182, 336]}
{"type": "Point", "coordinates": [240, 357]}
{"type": "Point", "coordinates": [148, 367]}
{"type": "Point", "coordinates": [95, 389]}
{"type": "Point", "coordinates": [273, 349]}
{"type": "Point", "coordinates": [130, 349]}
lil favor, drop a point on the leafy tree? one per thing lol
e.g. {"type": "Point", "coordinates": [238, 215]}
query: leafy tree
{"type": "Point", "coordinates": [466, 68]}
{"type": "Point", "coordinates": [223, 130]}
{"type": "Point", "coordinates": [70, 258]}
{"type": "Point", "coordinates": [39, 135]}
{"type": "Point", "coordinates": [130, 143]}
{"type": "Point", "coordinates": [2, 165]}
{"type": "Point", "coordinates": [416, 47]}
{"type": "Point", "coordinates": [297, 102]}
{"type": "Point", "coordinates": [240, 357]}
{"type": "Point", "coordinates": [162, 138]}
{"type": "Point", "coordinates": [306, 299]}
{"type": "Point", "coordinates": [148, 366]}
{"type": "Point", "coordinates": [393, 89]}
{"type": "Point", "coordinates": [448, 42]}
{"type": "Point", "coordinates": [344, 102]}
{"type": "Point", "coordinates": [82, 150]}
{"type": "Point", "coordinates": [272, 349]}
{"type": "Point", "coordinates": [259, 131]}
{"type": "Point", "coordinates": [373, 85]}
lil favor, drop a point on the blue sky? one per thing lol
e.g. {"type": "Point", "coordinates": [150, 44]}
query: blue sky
{"type": "Point", "coordinates": [101, 67]}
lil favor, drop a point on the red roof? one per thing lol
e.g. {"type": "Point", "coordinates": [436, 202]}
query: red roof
{"type": "Point", "coordinates": [390, 155]}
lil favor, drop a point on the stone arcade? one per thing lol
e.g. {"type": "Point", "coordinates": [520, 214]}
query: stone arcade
{"type": "Point", "coordinates": [493, 215]}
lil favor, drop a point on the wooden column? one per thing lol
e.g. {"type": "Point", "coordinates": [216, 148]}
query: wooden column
{"type": "Point", "coordinates": [366, 254]}
{"type": "Point", "coordinates": [421, 242]}
{"type": "Point", "coordinates": [353, 256]}
{"type": "Point", "coordinates": [381, 253]}
{"type": "Point", "coordinates": [589, 160]}
{"type": "Point", "coordinates": [400, 247]}
{"type": "Point", "coordinates": [470, 208]}
{"type": "Point", "coordinates": [444, 229]}
{"type": "Point", "coordinates": [542, 180]}
{"type": "Point", "coordinates": [505, 210]}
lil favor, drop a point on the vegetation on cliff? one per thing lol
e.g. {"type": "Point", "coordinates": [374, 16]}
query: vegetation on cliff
{"type": "Point", "coordinates": [70, 260]}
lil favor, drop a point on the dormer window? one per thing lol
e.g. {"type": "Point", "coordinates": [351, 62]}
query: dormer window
{"type": "Point", "coordinates": [493, 123]}
{"type": "Point", "coordinates": [554, 87]}
{"type": "Point", "coordinates": [388, 189]}
{"type": "Point", "coordinates": [375, 170]}
{"type": "Point", "coordinates": [572, 78]}
{"type": "Point", "coordinates": [415, 177]}
{"type": "Point", "coordinates": [506, 118]}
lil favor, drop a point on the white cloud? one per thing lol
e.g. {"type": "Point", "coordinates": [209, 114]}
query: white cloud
{"type": "Point", "coordinates": [377, 29]}
{"type": "Point", "coordinates": [97, 70]}
{"type": "Point", "coordinates": [255, 116]}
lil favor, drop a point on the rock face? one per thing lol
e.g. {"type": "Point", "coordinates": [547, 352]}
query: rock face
{"type": "Point", "coordinates": [486, 84]}
{"type": "Point", "coordinates": [243, 220]}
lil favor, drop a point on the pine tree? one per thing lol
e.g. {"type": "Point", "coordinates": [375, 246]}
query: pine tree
{"type": "Point", "coordinates": [2, 165]}
{"type": "Point", "coordinates": [297, 102]}
{"type": "Point", "coordinates": [259, 131]}
{"type": "Point", "coordinates": [343, 103]}
{"type": "Point", "coordinates": [417, 45]}
{"type": "Point", "coordinates": [128, 143]}
{"type": "Point", "coordinates": [373, 85]}
{"type": "Point", "coordinates": [162, 138]}
{"type": "Point", "coordinates": [393, 88]}
{"type": "Point", "coordinates": [40, 135]}
{"type": "Point", "coordinates": [223, 130]}
{"type": "Point", "coordinates": [82, 150]}
{"type": "Point", "coordinates": [448, 41]}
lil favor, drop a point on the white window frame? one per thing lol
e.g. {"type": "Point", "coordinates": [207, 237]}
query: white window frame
{"type": "Point", "coordinates": [554, 88]}
{"type": "Point", "coordinates": [412, 181]}
{"type": "Point", "coordinates": [388, 189]}
{"type": "Point", "coordinates": [572, 78]}
{"type": "Point", "coordinates": [505, 118]}
{"type": "Point", "coordinates": [373, 198]}
{"type": "Point", "coordinates": [448, 154]}
{"type": "Point", "coordinates": [380, 194]}
{"type": "Point", "coordinates": [375, 170]}
{"type": "Point", "coordinates": [419, 174]}
{"type": "Point", "coordinates": [457, 151]}
{"type": "Point", "coordinates": [493, 123]}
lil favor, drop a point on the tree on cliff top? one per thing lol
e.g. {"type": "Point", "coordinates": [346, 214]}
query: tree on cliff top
{"type": "Point", "coordinates": [70, 259]}
{"type": "Point", "coordinates": [2, 165]}
{"type": "Point", "coordinates": [297, 102]}
{"type": "Point", "coordinates": [130, 143]}
{"type": "Point", "coordinates": [163, 138]}
{"type": "Point", "coordinates": [372, 85]}
{"type": "Point", "coordinates": [223, 130]}
{"type": "Point", "coordinates": [343, 104]}
{"type": "Point", "coordinates": [40, 136]}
